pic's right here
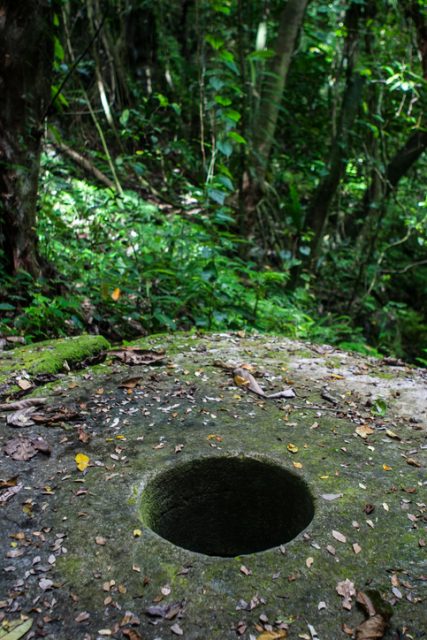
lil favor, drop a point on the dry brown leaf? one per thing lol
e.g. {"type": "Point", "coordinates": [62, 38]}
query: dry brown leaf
{"type": "Point", "coordinates": [245, 570]}
{"type": "Point", "coordinates": [21, 418]}
{"type": "Point", "coordinates": [339, 536]}
{"type": "Point", "coordinates": [391, 434]}
{"type": "Point", "coordinates": [242, 378]}
{"type": "Point", "coordinates": [130, 383]}
{"type": "Point", "coordinates": [26, 448]}
{"type": "Point", "coordinates": [138, 356]}
{"type": "Point", "coordinates": [413, 462]}
{"type": "Point", "coordinates": [273, 635]}
{"type": "Point", "coordinates": [131, 634]}
{"type": "Point", "coordinates": [346, 590]}
{"type": "Point", "coordinates": [371, 629]}
{"type": "Point", "coordinates": [82, 616]}
{"type": "Point", "coordinates": [10, 492]}
{"type": "Point", "coordinates": [24, 384]}
{"type": "Point", "coordinates": [364, 431]}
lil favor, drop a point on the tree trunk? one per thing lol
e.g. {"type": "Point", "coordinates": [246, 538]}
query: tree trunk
{"type": "Point", "coordinates": [26, 53]}
{"type": "Point", "coordinates": [291, 20]}
{"type": "Point", "coordinates": [318, 210]}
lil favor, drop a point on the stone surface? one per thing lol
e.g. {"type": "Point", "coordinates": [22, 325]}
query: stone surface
{"type": "Point", "coordinates": [78, 558]}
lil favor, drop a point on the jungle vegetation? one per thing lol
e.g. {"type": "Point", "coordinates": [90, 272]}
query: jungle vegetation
{"type": "Point", "coordinates": [216, 165]}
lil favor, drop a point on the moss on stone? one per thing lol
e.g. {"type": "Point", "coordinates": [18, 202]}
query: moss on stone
{"type": "Point", "coordinates": [49, 356]}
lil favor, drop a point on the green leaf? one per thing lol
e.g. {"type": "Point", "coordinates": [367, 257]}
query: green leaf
{"type": "Point", "coordinates": [379, 407]}
{"type": "Point", "coordinates": [216, 43]}
{"type": "Point", "coordinates": [236, 137]}
{"type": "Point", "coordinates": [225, 147]}
{"type": "Point", "coordinates": [224, 180]}
{"type": "Point", "coordinates": [224, 102]}
{"type": "Point", "coordinates": [124, 118]}
{"type": "Point", "coordinates": [217, 195]}
{"type": "Point", "coordinates": [232, 114]}
{"type": "Point", "coordinates": [264, 54]}
{"type": "Point", "coordinates": [18, 630]}
{"type": "Point", "coordinates": [59, 50]}
{"type": "Point", "coordinates": [5, 306]}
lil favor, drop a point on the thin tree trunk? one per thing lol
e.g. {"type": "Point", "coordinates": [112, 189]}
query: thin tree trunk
{"type": "Point", "coordinates": [291, 20]}
{"type": "Point", "coordinates": [265, 122]}
{"type": "Point", "coordinates": [318, 209]}
{"type": "Point", "coordinates": [26, 53]}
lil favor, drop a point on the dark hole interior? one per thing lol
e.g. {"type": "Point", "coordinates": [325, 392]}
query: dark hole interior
{"type": "Point", "coordinates": [227, 506]}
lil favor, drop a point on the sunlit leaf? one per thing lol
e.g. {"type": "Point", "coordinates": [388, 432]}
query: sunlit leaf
{"type": "Point", "coordinates": [82, 461]}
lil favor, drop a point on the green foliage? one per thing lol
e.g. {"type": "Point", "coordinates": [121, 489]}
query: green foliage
{"type": "Point", "coordinates": [130, 269]}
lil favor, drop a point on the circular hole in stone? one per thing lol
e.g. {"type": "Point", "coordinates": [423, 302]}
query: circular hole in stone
{"type": "Point", "coordinates": [227, 506]}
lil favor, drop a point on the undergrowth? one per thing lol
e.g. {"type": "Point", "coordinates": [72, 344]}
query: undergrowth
{"type": "Point", "coordinates": [126, 268]}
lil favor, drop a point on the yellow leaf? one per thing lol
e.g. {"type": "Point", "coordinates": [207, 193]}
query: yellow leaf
{"type": "Point", "coordinates": [116, 294]}
{"type": "Point", "coordinates": [297, 465]}
{"type": "Point", "coordinates": [273, 635]}
{"type": "Point", "coordinates": [292, 448]}
{"type": "Point", "coordinates": [137, 533]}
{"type": "Point", "coordinates": [392, 434]}
{"type": "Point", "coordinates": [386, 467]}
{"type": "Point", "coordinates": [241, 381]}
{"type": "Point", "coordinates": [82, 461]}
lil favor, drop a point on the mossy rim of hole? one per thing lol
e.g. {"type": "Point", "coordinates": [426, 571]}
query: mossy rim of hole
{"type": "Point", "coordinates": [227, 506]}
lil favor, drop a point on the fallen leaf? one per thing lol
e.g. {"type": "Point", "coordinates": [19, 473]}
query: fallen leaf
{"type": "Point", "coordinates": [131, 634]}
{"type": "Point", "coordinates": [386, 467]}
{"type": "Point", "coordinates": [129, 619]}
{"type": "Point", "coordinates": [348, 630]}
{"type": "Point", "coordinates": [82, 617]}
{"type": "Point", "coordinates": [25, 448]}
{"type": "Point", "coordinates": [45, 584]}
{"type": "Point", "coordinates": [17, 629]}
{"type": "Point", "coordinates": [130, 383]}
{"type": "Point", "coordinates": [392, 434]}
{"type": "Point", "coordinates": [292, 448]}
{"type": "Point", "coordinates": [357, 548]}
{"type": "Point", "coordinates": [83, 435]}
{"type": "Point", "coordinates": [339, 536]}
{"type": "Point", "coordinates": [346, 590]}
{"type": "Point", "coordinates": [176, 629]}
{"type": "Point", "coordinates": [297, 465]}
{"type": "Point", "coordinates": [100, 541]}
{"type": "Point", "coordinates": [82, 461]}
{"type": "Point", "coordinates": [413, 462]}
{"type": "Point", "coordinates": [273, 635]}
{"type": "Point", "coordinates": [21, 418]}
{"type": "Point", "coordinates": [376, 624]}
{"type": "Point", "coordinates": [214, 436]}
{"type": "Point", "coordinates": [138, 356]}
{"type": "Point", "coordinates": [331, 496]}
{"type": "Point", "coordinates": [10, 492]}
{"type": "Point", "coordinates": [245, 570]}
{"type": "Point", "coordinates": [24, 384]}
{"type": "Point", "coordinates": [309, 562]}
{"type": "Point", "coordinates": [364, 431]}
